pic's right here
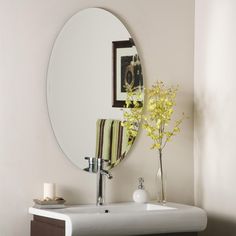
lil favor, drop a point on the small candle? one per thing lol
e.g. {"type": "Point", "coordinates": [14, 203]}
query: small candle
{"type": "Point", "coordinates": [49, 190]}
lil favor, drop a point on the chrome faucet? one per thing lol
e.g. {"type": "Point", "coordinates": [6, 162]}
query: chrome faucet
{"type": "Point", "coordinates": [101, 180]}
{"type": "Point", "coordinates": [96, 165]}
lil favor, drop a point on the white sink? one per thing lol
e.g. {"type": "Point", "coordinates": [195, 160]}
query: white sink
{"type": "Point", "coordinates": [127, 218]}
{"type": "Point", "coordinates": [123, 208]}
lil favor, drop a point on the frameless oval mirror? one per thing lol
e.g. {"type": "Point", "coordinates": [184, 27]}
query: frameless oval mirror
{"type": "Point", "coordinates": [92, 59]}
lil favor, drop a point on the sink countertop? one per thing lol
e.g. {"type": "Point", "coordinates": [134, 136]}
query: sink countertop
{"type": "Point", "coordinates": [127, 218]}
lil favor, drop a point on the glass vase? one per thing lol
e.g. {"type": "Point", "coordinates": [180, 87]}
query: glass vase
{"type": "Point", "coordinates": [161, 181]}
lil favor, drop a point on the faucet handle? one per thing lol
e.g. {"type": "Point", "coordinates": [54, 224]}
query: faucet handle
{"type": "Point", "coordinates": [90, 159]}
{"type": "Point", "coordinates": [92, 164]}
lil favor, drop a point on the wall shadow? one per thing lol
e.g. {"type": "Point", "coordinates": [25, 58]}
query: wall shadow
{"type": "Point", "coordinates": [220, 226]}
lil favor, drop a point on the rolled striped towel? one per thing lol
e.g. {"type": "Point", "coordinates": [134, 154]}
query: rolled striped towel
{"type": "Point", "coordinates": [103, 138]}
{"type": "Point", "coordinates": [119, 144]}
{"type": "Point", "coordinates": [111, 141]}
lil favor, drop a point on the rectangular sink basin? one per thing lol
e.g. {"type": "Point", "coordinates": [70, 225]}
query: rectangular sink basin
{"type": "Point", "coordinates": [127, 219]}
{"type": "Point", "coordinates": [116, 208]}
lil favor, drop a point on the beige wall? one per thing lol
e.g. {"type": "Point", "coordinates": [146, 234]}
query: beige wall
{"type": "Point", "coordinates": [29, 154]}
{"type": "Point", "coordinates": [215, 114]}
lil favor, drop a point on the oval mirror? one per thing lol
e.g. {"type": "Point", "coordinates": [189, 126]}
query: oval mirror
{"type": "Point", "coordinates": [93, 60]}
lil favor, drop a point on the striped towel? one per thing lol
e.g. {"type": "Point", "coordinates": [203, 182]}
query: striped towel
{"type": "Point", "coordinates": [103, 138]}
{"type": "Point", "coordinates": [116, 145]}
{"type": "Point", "coordinates": [111, 141]}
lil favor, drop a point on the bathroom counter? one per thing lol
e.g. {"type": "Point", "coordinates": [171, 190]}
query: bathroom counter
{"type": "Point", "coordinates": [121, 219]}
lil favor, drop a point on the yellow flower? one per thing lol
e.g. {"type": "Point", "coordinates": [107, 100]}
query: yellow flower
{"type": "Point", "coordinates": [160, 108]}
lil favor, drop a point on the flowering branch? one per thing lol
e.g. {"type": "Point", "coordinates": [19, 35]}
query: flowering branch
{"type": "Point", "coordinates": [160, 108]}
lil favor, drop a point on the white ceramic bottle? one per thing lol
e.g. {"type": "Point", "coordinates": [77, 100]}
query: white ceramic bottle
{"type": "Point", "coordinates": [140, 195]}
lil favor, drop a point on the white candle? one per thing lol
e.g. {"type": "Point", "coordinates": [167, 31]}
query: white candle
{"type": "Point", "coordinates": [49, 190]}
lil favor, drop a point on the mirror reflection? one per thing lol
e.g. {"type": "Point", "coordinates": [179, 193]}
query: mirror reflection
{"type": "Point", "coordinates": [93, 66]}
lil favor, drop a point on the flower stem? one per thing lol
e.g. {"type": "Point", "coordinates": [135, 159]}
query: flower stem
{"type": "Point", "coordinates": [162, 178]}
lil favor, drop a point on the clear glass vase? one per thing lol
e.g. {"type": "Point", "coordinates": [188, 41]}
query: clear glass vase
{"type": "Point", "coordinates": [161, 181]}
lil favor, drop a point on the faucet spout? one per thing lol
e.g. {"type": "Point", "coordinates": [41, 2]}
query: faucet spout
{"type": "Point", "coordinates": [107, 174]}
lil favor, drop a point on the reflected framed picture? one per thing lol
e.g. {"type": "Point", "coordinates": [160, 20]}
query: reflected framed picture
{"type": "Point", "coordinates": [126, 70]}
